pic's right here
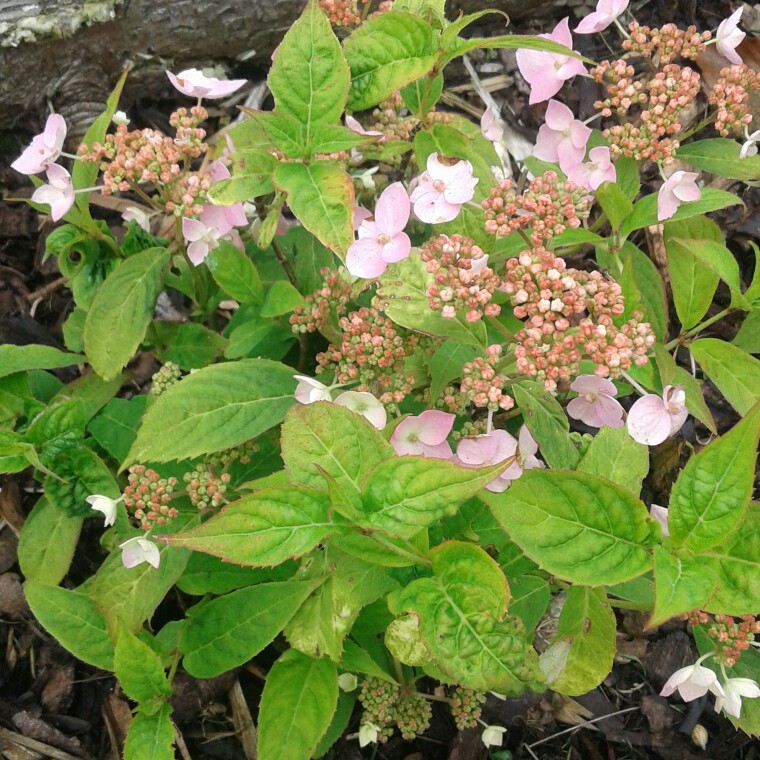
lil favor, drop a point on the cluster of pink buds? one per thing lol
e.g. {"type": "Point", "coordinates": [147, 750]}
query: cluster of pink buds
{"type": "Point", "coordinates": [389, 122]}
{"type": "Point", "coordinates": [483, 385]}
{"type": "Point", "coordinates": [664, 45]}
{"type": "Point", "coordinates": [465, 705]}
{"type": "Point", "coordinates": [730, 97]}
{"type": "Point", "coordinates": [548, 205]}
{"type": "Point", "coordinates": [731, 635]}
{"type": "Point", "coordinates": [347, 13]}
{"type": "Point", "coordinates": [147, 496]}
{"type": "Point", "coordinates": [372, 351]}
{"type": "Point", "coordinates": [386, 704]}
{"type": "Point", "coordinates": [129, 159]}
{"type": "Point", "coordinates": [205, 489]}
{"type": "Point", "coordinates": [322, 304]}
{"type": "Point", "coordinates": [464, 283]}
{"type": "Point", "coordinates": [569, 315]}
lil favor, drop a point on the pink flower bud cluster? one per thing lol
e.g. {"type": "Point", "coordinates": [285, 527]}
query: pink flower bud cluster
{"type": "Point", "coordinates": [129, 159]}
{"type": "Point", "coordinates": [390, 122]}
{"type": "Point", "coordinates": [569, 316]}
{"type": "Point", "coordinates": [483, 385]}
{"type": "Point", "coordinates": [206, 490]}
{"type": "Point", "coordinates": [623, 91]}
{"type": "Point", "coordinates": [372, 351]}
{"type": "Point", "coordinates": [147, 496]}
{"type": "Point", "coordinates": [341, 12]}
{"type": "Point", "coordinates": [464, 284]}
{"type": "Point", "coordinates": [730, 97]}
{"type": "Point", "coordinates": [665, 44]}
{"type": "Point", "coordinates": [732, 635]}
{"type": "Point", "coordinates": [465, 705]}
{"type": "Point", "coordinates": [548, 206]}
{"type": "Point", "coordinates": [330, 299]}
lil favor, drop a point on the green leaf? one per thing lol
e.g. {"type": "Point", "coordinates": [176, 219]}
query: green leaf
{"type": "Point", "coordinates": [92, 391]}
{"type": "Point", "coordinates": [241, 187]}
{"type": "Point", "coordinates": [191, 345]}
{"type": "Point", "coordinates": [341, 442]}
{"type": "Point", "coordinates": [748, 337]}
{"type": "Point", "coordinates": [329, 138]}
{"type": "Point", "coordinates": [645, 210]}
{"type": "Point", "coordinates": [205, 574]}
{"type": "Point", "coordinates": [384, 54]}
{"type": "Point", "coordinates": [547, 423]}
{"type": "Point", "coordinates": [286, 134]}
{"type": "Point", "coordinates": [421, 95]}
{"type": "Point", "coordinates": [643, 288]}
{"type": "Point", "coordinates": [281, 298]}
{"type": "Point", "coordinates": [588, 623]}
{"type": "Point", "coordinates": [682, 584]}
{"type": "Point", "coordinates": [214, 409]}
{"type": "Point", "coordinates": [150, 736]}
{"type": "Point", "coordinates": [123, 306]}
{"type": "Point", "coordinates": [138, 668]}
{"type": "Point", "coordinates": [265, 528]}
{"type": "Point", "coordinates": [506, 42]}
{"type": "Point", "coordinates": [321, 195]}
{"type": "Point", "coordinates": [531, 595]}
{"type": "Point", "coordinates": [446, 365]}
{"type": "Point", "coordinates": [297, 705]}
{"type": "Point", "coordinates": [627, 180]}
{"type": "Point", "coordinates": [309, 77]}
{"type": "Point", "coordinates": [614, 203]}
{"type": "Point", "coordinates": [71, 617]}
{"type": "Point", "coordinates": [46, 543]}
{"type": "Point", "coordinates": [235, 273]}
{"type": "Point", "coordinates": [308, 256]}
{"type": "Point", "coordinates": [115, 427]}
{"type": "Point", "coordinates": [720, 156]}
{"type": "Point", "coordinates": [20, 358]}
{"type": "Point", "coordinates": [736, 373]}
{"type": "Point", "coordinates": [358, 660]}
{"type": "Point", "coordinates": [338, 724]}
{"type": "Point", "coordinates": [576, 526]}
{"type": "Point", "coordinates": [461, 613]}
{"type": "Point", "coordinates": [711, 494]}
{"type": "Point", "coordinates": [404, 494]}
{"type": "Point", "coordinates": [230, 630]}
{"type": "Point", "coordinates": [403, 297]}
{"type": "Point", "coordinates": [614, 455]}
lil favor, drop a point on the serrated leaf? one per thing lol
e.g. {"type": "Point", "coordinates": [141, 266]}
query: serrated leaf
{"type": "Point", "coordinates": [216, 408]}
{"type": "Point", "coordinates": [235, 273]}
{"type": "Point", "coordinates": [205, 574]}
{"type": "Point", "coordinates": [720, 156]}
{"type": "Point", "coordinates": [575, 525]}
{"type": "Point", "coordinates": [321, 195]}
{"type": "Point", "coordinates": [531, 595]}
{"type": "Point", "coordinates": [139, 668]}
{"type": "Point", "coordinates": [115, 427]}
{"type": "Point", "coordinates": [446, 365]}
{"type": "Point", "coordinates": [265, 528]}
{"type": "Point", "coordinates": [643, 289]}
{"type": "Point", "coordinates": [711, 495]}
{"type": "Point", "coordinates": [358, 660]}
{"type": "Point", "coordinates": [384, 54]}
{"type": "Point", "coordinates": [150, 736]}
{"type": "Point", "coordinates": [281, 298]}
{"type": "Point", "coordinates": [614, 455]}
{"type": "Point", "coordinates": [299, 700]}
{"type": "Point", "coordinates": [230, 630]}
{"type": "Point", "coordinates": [548, 424]}
{"type": "Point", "coordinates": [309, 78]}
{"type": "Point", "coordinates": [748, 337]}
{"type": "Point", "coordinates": [614, 203]}
{"type": "Point", "coordinates": [191, 345]}
{"type": "Point", "coordinates": [735, 372]}
{"type": "Point", "coordinates": [21, 358]}
{"type": "Point", "coordinates": [123, 306]}
{"type": "Point", "coordinates": [338, 725]}
{"type": "Point", "coordinates": [71, 617]}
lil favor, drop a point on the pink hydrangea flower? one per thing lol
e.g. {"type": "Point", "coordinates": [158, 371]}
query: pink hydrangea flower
{"type": "Point", "coordinates": [597, 169]}
{"type": "Point", "coordinates": [680, 186]}
{"type": "Point", "coordinates": [735, 689]}
{"type": "Point", "coordinates": [201, 237]}
{"type": "Point", "coordinates": [654, 418]}
{"type": "Point", "coordinates": [366, 404]}
{"type": "Point", "coordinates": [44, 148]}
{"type": "Point", "coordinates": [693, 682]}
{"type": "Point", "coordinates": [137, 550]}
{"type": "Point", "coordinates": [562, 138]}
{"type": "Point", "coordinates": [547, 72]}
{"type": "Point", "coordinates": [310, 390]}
{"type": "Point", "coordinates": [728, 37]}
{"type": "Point", "coordinates": [383, 240]}
{"type": "Point", "coordinates": [496, 447]}
{"type": "Point", "coordinates": [222, 218]}
{"type": "Point", "coordinates": [661, 515]}
{"type": "Point", "coordinates": [195, 84]}
{"type": "Point", "coordinates": [595, 404]}
{"type": "Point", "coordinates": [441, 190]}
{"type": "Point", "coordinates": [424, 435]}
{"type": "Point", "coordinates": [355, 126]}
{"type": "Point", "coordinates": [490, 125]}
{"type": "Point", "coordinates": [606, 12]}
{"type": "Point", "coordinates": [57, 192]}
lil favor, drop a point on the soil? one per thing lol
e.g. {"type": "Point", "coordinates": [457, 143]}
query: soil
{"type": "Point", "coordinates": [52, 705]}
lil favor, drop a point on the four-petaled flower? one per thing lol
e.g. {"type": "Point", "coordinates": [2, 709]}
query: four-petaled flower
{"type": "Point", "coordinates": [728, 37]}
{"type": "Point", "coordinates": [493, 736]}
{"type": "Point", "coordinates": [693, 682]}
{"type": "Point", "coordinates": [57, 192]}
{"type": "Point", "coordinates": [680, 186]}
{"type": "Point", "coordinates": [196, 84]}
{"type": "Point", "coordinates": [424, 434]}
{"type": "Point", "coordinates": [490, 125]}
{"type": "Point", "coordinates": [749, 148]}
{"type": "Point", "coordinates": [106, 505]}
{"type": "Point", "coordinates": [368, 733]}
{"type": "Point", "coordinates": [203, 238]}
{"type": "Point", "coordinates": [547, 72]}
{"type": "Point", "coordinates": [135, 551]}
{"type": "Point", "coordinates": [310, 390]}
{"type": "Point", "coordinates": [597, 169]}
{"type": "Point", "coordinates": [366, 404]}
{"type": "Point", "coordinates": [222, 218]}
{"type": "Point", "coordinates": [654, 418]}
{"type": "Point", "coordinates": [735, 689]}
{"type": "Point", "coordinates": [44, 148]}
{"type": "Point", "coordinates": [382, 241]}
{"type": "Point", "coordinates": [441, 190]}
{"type": "Point", "coordinates": [606, 12]}
{"type": "Point", "coordinates": [562, 138]}
{"type": "Point", "coordinates": [595, 404]}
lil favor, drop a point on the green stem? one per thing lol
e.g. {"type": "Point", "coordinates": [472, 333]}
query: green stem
{"type": "Point", "coordinates": [285, 263]}
{"type": "Point", "coordinates": [499, 327]}
{"type": "Point", "coordinates": [701, 326]}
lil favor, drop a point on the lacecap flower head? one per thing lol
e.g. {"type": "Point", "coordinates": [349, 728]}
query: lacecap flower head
{"type": "Point", "coordinates": [441, 190]}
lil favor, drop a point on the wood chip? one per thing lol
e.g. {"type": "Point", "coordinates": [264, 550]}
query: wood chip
{"type": "Point", "coordinates": [243, 722]}
{"type": "Point", "coordinates": [44, 750]}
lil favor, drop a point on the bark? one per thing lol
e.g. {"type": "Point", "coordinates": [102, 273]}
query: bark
{"type": "Point", "coordinates": [67, 54]}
